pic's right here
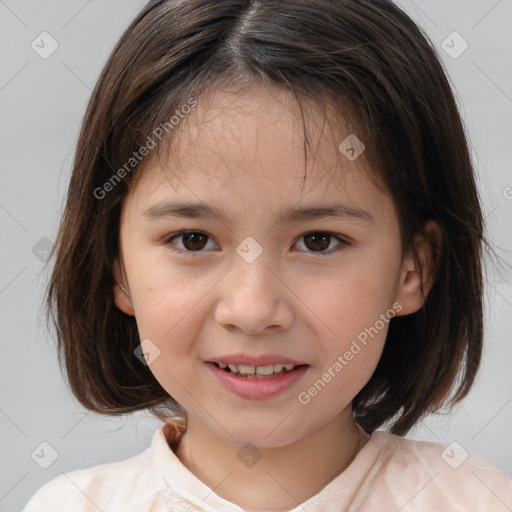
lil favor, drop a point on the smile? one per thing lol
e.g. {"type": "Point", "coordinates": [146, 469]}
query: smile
{"type": "Point", "coordinates": [256, 382]}
{"type": "Point", "coordinates": [256, 371]}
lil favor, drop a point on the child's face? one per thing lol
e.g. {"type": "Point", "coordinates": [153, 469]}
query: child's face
{"type": "Point", "coordinates": [300, 299]}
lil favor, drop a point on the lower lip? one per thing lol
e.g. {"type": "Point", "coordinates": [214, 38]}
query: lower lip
{"type": "Point", "coordinates": [257, 388]}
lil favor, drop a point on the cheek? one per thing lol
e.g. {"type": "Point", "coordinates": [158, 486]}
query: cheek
{"type": "Point", "coordinates": [351, 338]}
{"type": "Point", "coordinates": [168, 301]}
{"type": "Point", "coordinates": [345, 303]}
{"type": "Point", "coordinates": [169, 314]}
{"type": "Point", "coordinates": [353, 314]}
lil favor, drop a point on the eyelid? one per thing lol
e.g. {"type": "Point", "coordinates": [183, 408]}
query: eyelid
{"type": "Point", "coordinates": [344, 242]}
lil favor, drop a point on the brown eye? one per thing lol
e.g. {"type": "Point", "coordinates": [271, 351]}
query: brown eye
{"type": "Point", "coordinates": [319, 241]}
{"type": "Point", "coordinates": [192, 241]}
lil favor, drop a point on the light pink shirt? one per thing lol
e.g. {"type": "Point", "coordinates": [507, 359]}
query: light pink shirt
{"type": "Point", "coordinates": [389, 474]}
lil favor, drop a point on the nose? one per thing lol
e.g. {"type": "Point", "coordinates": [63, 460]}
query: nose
{"type": "Point", "coordinates": [254, 298]}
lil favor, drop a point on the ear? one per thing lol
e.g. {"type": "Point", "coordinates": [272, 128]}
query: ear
{"type": "Point", "coordinates": [422, 269]}
{"type": "Point", "coordinates": [121, 298]}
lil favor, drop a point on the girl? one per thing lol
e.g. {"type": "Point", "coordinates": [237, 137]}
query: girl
{"type": "Point", "coordinates": [273, 319]}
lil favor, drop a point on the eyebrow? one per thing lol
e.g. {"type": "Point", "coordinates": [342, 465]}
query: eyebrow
{"type": "Point", "coordinates": [191, 210]}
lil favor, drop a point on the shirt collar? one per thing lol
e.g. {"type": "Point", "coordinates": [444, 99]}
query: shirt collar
{"type": "Point", "coordinates": [187, 492]}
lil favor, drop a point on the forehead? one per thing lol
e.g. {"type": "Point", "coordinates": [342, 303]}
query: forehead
{"type": "Point", "coordinates": [252, 142]}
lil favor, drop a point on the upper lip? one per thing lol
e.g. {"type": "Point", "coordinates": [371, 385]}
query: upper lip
{"type": "Point", "coordinates": [261, 360]}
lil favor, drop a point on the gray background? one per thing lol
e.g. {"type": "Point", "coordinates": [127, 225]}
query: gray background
{"type": "Point", "coordinates": [42, 102]}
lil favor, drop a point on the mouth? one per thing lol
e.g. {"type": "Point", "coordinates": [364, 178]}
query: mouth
{"type": "Point", "coordinates": [257, 382]}
{"type": "Point", "coordinates": [271, 371]}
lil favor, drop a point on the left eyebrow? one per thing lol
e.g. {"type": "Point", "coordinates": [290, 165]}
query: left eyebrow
{"type": "Point", "coordinates": [191, 210]}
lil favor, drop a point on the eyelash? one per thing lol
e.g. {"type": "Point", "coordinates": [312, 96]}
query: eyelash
{"type": "Point", "coordinates": [168, 242]}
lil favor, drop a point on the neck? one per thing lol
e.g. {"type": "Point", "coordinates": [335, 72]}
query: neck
{"type": "Point", "coordinates": [283, 477]}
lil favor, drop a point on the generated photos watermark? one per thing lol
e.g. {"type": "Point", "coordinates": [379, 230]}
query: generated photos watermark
{"type": "Point", "coordinates": [304, 397]}
{"type": "Point", "coordinates": [138, 156]}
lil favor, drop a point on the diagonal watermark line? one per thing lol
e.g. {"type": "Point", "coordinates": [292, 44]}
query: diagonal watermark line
{"type": "Point", "coordinates": [334, 334]}
{"type": "Point", "coordinates": [212, 490]}
{"type": "Point", "coordinates": [82, 492]}
{"type": "Point", "coordinates": [76, 75]}
{"type": "Point", "coordinates": [73, 17]}
{"type": "Point", "coordinates": [468, 416]}
{"type": "Point", "coordinates": [88, 412]}
{"type": "Point", "coordinates": [13, 486]}
{"type": "Point", "coordinates": [424, 13]}
{"type": "Point", "coordinates": [13, 77]}
{"type": "Point", "coordinates": [13, 217]}
{"type": "Point", "coordinates": [508, 508]}
{"type": "Point", "coordinates": [199, 403]}
{"type": "Point", "coordinates": [14, 423]}
{"type": "Point", "coordinates": [220, 279]}
{"type": "Point", "coordinates": [430, 430]}
{"type": "Point", "coordinates": [491, 212]}
{"type": "Point", "coordinates": [502, 296]}
{"type": "Point", "coordinates": [320, 180]}
{"type": "Point", "coordinates": [492, 81]}
{"type": "Point", "coordinates": [285, 490]}
{"type": "Point", "coordinates": [2, 2]}
{"type": "Point", "coordinates": [491, 419]}
{"type": "Point", "coordinates": [486, 14]}
{"type": "Point", "coordinates": [401, 508]}
{"type": "Point", "coordinates": [12, 280]}
{"type": "Point", "coordinates": [192, 192]}
{"type": "Point", "coordinates": [280, 423]}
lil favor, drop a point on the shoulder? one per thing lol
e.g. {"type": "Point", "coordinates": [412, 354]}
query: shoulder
{"type": "Point", "coordinates": [85, 490]}
{"type": "Point", "coordinates": [432, 474]}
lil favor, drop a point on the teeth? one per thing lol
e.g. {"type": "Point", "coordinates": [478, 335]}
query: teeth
{"type": "Point", "coordinates": [259, 370]}
{"type": "Point", "coordinates": [248, 370]}
{"type": "Point", "coordinates": [264, 370]}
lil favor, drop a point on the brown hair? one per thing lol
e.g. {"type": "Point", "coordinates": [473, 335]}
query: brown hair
{"type": "Point", "coordinates": [368, 62]}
